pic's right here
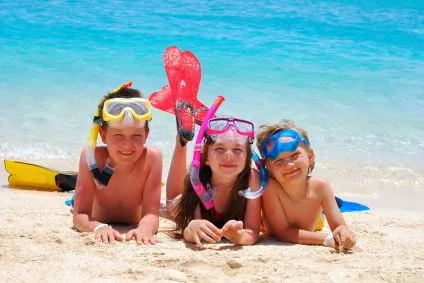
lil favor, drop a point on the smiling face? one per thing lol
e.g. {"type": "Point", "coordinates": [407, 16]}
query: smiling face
{"type": "Point", "coordinates": [125, 144]}
{"type": "Point", "coordinates": [227, 159]}
{"type": "Point", "coordinates": [292, 166]}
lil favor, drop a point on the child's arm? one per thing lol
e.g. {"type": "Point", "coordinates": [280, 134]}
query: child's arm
{"type": "Point", "coordinates": [233, 230]}
{"type": "Point", "coordinates": [343, 237]}
{"type": "Point", "coordinates": [276, 220]}
{"type": "Point", "coordinates": [84, 194]}
{"type": "Point", "coordinates": [149, 222]}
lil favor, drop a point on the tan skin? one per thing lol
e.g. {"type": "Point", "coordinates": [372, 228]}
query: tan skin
{"type": "Point", "coordinates": [226, 161]}
{"type": "Point", "coordinates": [132, 196]}
{"type": "Point", "coordinates": [293, 202]}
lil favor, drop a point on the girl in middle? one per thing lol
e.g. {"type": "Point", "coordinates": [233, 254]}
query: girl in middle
{"type": "Point", "coordinates": [224, 172]}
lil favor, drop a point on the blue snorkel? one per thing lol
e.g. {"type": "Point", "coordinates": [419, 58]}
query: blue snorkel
{"type": "Point", "coordinates": [248, 193]}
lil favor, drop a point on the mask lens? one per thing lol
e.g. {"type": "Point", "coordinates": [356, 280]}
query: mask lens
{"type": "Point", "coordinates": [243, 126]}
{"type": "Point", "coordinates": [117, 108]}
{"type": "Point", "coordinates": [138, 108]}
{"type": "Point", "coordinates": [218, 124]}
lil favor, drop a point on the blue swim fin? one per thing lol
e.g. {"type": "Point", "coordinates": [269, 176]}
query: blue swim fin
{"type": "Point", "coordinates": [70, 201]}
{"type": "Point", "coordinates": [347, 206]}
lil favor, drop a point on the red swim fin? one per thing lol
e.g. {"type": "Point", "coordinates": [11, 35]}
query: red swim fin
{"type": "Point", "coordinates": [180, 97]}
{"type": "Point", "coordinates": [163, 100]}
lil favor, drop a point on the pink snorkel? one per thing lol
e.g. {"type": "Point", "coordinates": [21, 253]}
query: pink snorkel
{"type": "Point", "coordinates": [205, 196]}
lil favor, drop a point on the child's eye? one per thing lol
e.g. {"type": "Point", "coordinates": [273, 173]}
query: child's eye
{"type": "Point", "coordinates": [278, 162]}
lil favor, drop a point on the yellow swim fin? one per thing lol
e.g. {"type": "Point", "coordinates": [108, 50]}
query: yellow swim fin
{"type": "Point", "coordinates": [23, 175]}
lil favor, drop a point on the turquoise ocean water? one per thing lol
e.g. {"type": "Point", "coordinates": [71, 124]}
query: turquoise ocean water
{"type": "Point", "coordinates": [350, 72]}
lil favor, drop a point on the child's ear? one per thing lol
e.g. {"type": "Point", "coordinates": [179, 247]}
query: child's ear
{"type": "Point", "coordinates": [311, 158]}
{"type": "Point", "coordinates": [267, 167]}
{"type": "Point", "coordinates": [102, 133]}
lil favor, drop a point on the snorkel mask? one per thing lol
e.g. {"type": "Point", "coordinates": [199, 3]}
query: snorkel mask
{"type": "Point", "coordinates": [221, 129]}
{"type": "Point", "coordinates": [122, 112]}
{"type": "Point", "coordinates": [286, 140]}
{"type": "Point", "coordinates": [118, 113]}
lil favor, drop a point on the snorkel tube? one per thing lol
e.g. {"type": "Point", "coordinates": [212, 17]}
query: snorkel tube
{"type": "Point", "coordinates": [205, 196]}
{"type": "Point", "coordinates": [248, 193]}
{"type": "Point", "coordinates": [101, 178]}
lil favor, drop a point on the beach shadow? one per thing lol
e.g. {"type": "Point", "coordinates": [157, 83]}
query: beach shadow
{"type": "Point", "coordinates": [217, 247]}
{"type": "Point", "coordinates": [271, 241]}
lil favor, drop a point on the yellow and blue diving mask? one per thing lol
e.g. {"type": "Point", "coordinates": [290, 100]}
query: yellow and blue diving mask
{"type": "Point", "coordinates": [122, 112]}
{"type": "Point", "coordinates": [286, 140]}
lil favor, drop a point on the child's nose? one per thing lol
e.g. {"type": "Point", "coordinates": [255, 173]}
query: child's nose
{"type": "Point", "coordinates": [229, 154]}
{"type": "Point", "coordinates": [126, 142]}
{"type": "Point", "coordinates": [288, 162]}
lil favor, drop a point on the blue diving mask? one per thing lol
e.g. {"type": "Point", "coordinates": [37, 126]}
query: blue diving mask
{"type": "Point", "coordinates": [286, 140]}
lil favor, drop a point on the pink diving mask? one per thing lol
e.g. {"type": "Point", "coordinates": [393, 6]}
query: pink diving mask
{"type": "Point", "coordinates": [226, 128]}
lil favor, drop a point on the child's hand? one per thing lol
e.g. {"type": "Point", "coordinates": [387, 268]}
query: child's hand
{"type": "Point", "coordinates": [232, 230]}
{"type": "Point", "coordinates": [107, 235]}
{"type": "Point", "coordinates": [201, 229]}
{"type": "Point", "coordinates": [141, 235]}
{"type": "Point", "coordinates": [344, 238]}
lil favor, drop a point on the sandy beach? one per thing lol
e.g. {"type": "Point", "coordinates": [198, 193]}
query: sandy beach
{"type": "Point", "coordinates": [38, 244]}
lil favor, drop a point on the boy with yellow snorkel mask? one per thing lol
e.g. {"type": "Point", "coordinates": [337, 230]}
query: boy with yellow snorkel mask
{"type": "Point", "coordinates": [119, 183]}
{"type": "Point", "coordinates": [293, 200]}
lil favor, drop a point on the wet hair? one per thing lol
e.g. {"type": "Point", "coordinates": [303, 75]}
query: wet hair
{"type": "Point", "coordinates": [267, 130]}
{"type": "Point", "coordinates": [184, 210]}
{"type": "Point", "coordinates": [120, 93]}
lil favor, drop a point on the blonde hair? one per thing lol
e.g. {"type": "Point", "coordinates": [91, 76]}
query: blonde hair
{"type": "Point", "coordinates": [267, 130]}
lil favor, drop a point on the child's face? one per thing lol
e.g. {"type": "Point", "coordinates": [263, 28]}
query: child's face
{"type": "Point", "coordinates": [125, 145]}
{"type": "Point", "coordinates": [227, 159]}
{"type": "Point", "coordinates": [290, 167]}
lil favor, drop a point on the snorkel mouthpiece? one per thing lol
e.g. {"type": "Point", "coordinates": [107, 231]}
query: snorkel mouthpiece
{"type": "Point", "coordinates": [248, 193]}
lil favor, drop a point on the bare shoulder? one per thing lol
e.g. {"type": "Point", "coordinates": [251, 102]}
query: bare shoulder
{"type": "Point", "coordinates": [153, 154]}
{"type": "Point", "coordinates": [272, 188]}
{"type": "Point", "coordinates": [319, 185]}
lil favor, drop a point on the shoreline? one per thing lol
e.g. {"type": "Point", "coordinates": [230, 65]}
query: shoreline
{"type": "Point", "coordinates": [375, 187]}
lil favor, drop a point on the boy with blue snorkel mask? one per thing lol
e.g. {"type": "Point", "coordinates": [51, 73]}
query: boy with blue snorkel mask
{"type": "Point", "coordinates": [293, 200]}
{"type": "Point", "coordinates": [119, 183]}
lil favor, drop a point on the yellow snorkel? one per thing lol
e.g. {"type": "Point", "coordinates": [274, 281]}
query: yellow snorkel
{"type": "Point", "coordinates": [101, 178]}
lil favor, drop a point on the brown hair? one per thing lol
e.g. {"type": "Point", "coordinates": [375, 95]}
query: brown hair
{"type": "Point", "coordinates": [267, 130]}
{"type": "Point", "coordinates": [120, 93]}
{"type": "Point", "coordinates": [184, 210]}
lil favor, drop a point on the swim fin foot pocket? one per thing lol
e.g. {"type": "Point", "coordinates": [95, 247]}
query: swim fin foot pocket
{"type": "Point", "coordinates": [185, 122]}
